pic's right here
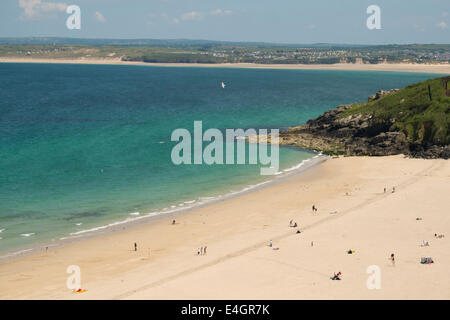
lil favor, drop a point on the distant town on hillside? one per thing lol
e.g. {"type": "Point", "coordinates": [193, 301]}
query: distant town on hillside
{"type": "Point", "coordinates": [205, 51]}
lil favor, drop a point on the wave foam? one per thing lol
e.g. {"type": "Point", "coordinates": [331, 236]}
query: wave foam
{"type": "Point", "coordinates": [27, 234]}
{"type": "Point", "coordinates": [12, 254]}
{"type": "Point", "coordinates": [192, 203]}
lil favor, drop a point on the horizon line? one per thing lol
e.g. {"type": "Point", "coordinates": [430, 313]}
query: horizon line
{"type": "Point", "coordinates": [221, 41]}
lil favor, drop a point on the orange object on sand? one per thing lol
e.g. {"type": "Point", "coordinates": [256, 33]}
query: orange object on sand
{"type": "Point", "coordinates": [79, 291]}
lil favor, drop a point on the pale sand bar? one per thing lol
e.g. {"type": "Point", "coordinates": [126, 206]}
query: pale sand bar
{"type": "Point", "coordinates": [401, 67]}
{"type": "Point", "coordinates": [240, 265]}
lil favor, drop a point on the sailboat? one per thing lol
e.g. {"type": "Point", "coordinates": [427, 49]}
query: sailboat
{"type": "Point", "coordinates": [223, 85]}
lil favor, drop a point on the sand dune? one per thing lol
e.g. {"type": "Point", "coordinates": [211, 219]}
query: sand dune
{"type": "Point", "coordinates": [353, 213]}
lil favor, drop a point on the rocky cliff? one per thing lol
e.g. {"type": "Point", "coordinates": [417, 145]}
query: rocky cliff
{"type": "Point", "coordinates": [413, 121]}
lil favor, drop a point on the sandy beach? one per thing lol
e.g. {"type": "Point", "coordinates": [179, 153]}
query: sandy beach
{"type": "Point", "coordinates": [400, 67]}
{"type": "Point", "coordinates": [353, 212]}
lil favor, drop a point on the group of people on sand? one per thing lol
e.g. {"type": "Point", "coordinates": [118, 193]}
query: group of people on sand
{"type": "Point", "coordinates": [201, 251]}
{"type": "Point", "coordinates": [393, 189]}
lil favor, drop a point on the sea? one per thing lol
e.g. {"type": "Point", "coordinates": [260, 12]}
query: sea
{"type": "Point", "coordinates": [84, 148]}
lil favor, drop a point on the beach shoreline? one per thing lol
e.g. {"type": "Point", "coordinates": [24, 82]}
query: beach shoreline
{"type": "Point", "coordinates": [353, 213]}
{"type": "Point", "coordinates": [149, 218]}
{"type": "Point", "coordinates": [392, 67]}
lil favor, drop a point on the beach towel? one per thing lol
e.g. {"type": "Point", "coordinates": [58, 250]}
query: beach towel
{"type": "Point", "coordinates": [79, 291]}
{"type": "Point", "coordinates": [426, 260]}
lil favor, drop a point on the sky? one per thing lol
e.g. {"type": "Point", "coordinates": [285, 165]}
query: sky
{"type": "Point", "coordinates": [278, 21]}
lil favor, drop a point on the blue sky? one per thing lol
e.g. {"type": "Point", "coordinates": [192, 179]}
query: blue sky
{"type": "Point", "coordinates": [282, 21]}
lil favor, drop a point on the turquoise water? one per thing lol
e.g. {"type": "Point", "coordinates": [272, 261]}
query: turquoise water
{"type": "Point", "coordinates": [86, 145]}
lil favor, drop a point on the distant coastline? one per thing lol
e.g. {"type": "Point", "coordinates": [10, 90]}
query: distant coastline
{"type": "Point", "coordinates": [393, 67]}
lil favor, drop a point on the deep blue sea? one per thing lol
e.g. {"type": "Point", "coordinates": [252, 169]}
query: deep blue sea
{"type": "Point", "coordinates": [83, 146]}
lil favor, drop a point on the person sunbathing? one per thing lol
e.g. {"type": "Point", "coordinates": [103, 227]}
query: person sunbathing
{"type": "Point", "coordinates": [336, 276]}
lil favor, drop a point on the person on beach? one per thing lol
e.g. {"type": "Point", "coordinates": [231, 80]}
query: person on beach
{"type": "Point", "coordinates": [336, 276]}
{"type": "Point", "coordinates": [393, 189]}
{"type": "Point", "coordinates": [271, 244]}
{"type": "Point", "coordinates": [198, 251]}
{"type": "Point", "coordinates": [312, 243]}
{"type": "Point", "coordinates": [313, 208]}
{"type": "Point", "coordinates": [173, 221]}
{"type": "Point", "coordinates": [135, 246]}
{"type": "Point", "coordinates": [385, 190]}
{"type": "Point", "coordinates": [392, 259]}
{"type": "Point", "coordinates": [204, 250]}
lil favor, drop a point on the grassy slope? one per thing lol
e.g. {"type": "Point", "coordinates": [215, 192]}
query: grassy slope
{"type": "Point", "coordinates": [411, 111]}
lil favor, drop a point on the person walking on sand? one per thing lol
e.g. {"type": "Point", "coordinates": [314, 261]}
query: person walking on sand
{"type": "Point", "coordinates": [271, 244]}
{"type": "Point", "coordinates": [392, 259]}
{"type": "Point", "coordinates": [393, 189]}
{"type": "Point", "coordinates": [204, 250]}
{"type": "Point", "coordinates": [198, 251]}
{"type": "Point", "coordinates": [385, 190]}
{"type": "Point", "coordinates": [135, 246]}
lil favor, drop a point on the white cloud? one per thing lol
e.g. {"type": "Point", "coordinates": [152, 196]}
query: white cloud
{"type": "Point", "coordinates": [33, 9]}
{"type": "Point", "coordinates": [197, 15]}
{"type": "Point", "coordinates": [194, 15]}
{"type": "Point", "coordinates": [220, 12]}
{"type": "Point", "coordinates": [99, 16]}
{"type": "Point", "coordinates": [442, 25]}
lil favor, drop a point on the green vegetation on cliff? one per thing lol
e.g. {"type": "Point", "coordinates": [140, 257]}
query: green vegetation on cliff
{"type": "Point", "coordinates": [421, 111]}
{"type": "Point", "coordinates": [414, 121]}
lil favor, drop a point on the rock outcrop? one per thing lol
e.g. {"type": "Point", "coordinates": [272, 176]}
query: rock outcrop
{"type": "Point", "coordinates": [380, 94]}
{"type": "Point", "coordinates": [357, 134]}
